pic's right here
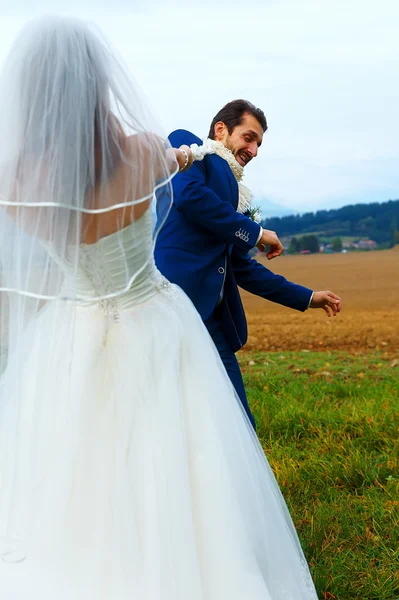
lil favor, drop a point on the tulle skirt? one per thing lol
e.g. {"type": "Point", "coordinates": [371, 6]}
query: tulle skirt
{"type": "Point", "coordinates": [129, 470]}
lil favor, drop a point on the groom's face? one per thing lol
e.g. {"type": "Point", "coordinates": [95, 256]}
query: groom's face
{"type": "Point", "coordinates": [245, 139]}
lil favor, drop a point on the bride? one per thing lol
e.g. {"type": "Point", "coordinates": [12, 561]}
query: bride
{"type": "Point", "coordinates": [128, 469]}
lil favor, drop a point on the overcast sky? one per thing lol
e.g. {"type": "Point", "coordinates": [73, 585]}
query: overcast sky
{"type": "Point", "coordinates": [326, 73]}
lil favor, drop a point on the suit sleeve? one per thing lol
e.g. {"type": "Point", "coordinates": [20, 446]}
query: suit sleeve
{"type": "Point", "coordinates": [201, 205]}
{"type": "Point", "coordinates": [257, 279]}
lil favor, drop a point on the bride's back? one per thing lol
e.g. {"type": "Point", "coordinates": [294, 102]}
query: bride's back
{"type": "Point", "coordinates": [84, 156]}
{"type": "Point", "coordinates": [117, 187]}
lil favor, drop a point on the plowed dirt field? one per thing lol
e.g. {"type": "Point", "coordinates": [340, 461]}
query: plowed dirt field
{"type": "Point", "coordinates": [368, 283]}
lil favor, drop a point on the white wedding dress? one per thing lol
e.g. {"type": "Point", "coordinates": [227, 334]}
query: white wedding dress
{"type": "Point", "coordinates": [140, 475]}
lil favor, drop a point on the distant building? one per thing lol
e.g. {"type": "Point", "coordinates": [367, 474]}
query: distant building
{"type": "Point", "coordinates": [367, 245]}
{"type": "Point", "coordinates": [360, 245]}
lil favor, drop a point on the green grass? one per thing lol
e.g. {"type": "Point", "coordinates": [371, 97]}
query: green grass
{"type": "Point", "coordinates": [329, 424]}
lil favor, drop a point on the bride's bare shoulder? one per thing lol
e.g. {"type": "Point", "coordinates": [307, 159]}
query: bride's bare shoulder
{"type": "Point", "coordinates": [149, 153]}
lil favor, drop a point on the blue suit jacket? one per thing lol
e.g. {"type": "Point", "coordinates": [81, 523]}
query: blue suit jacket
{"type": "Point", "coordinates": [204, 246]}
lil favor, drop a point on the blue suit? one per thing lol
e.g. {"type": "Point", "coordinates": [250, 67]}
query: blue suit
{"type": "Point", "coordinates": [203, 247]}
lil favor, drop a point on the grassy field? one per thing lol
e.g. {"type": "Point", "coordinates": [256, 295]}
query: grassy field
{"type": "Point", "coordinates": [329, 424]}
{"type": "Point", "coordinates": [325, 394]}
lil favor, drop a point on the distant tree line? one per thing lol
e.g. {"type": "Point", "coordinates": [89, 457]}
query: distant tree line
{"type": "Point", "coordinates": [376, 221]}
{"type": "Point", "coordinates": [306, 243]}
{"type": "Point", "coordinates": [311, 243]}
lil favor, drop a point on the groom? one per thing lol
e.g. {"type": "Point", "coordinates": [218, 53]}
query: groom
{"type": "Point", "coordinates": [203, 246]}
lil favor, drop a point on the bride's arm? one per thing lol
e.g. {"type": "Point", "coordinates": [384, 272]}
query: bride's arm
{"type": "Point", "coordinates": [161, 160]}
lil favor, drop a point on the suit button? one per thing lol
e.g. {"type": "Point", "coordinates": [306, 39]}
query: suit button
{"type": "Point", "coordinates": [221, 270]}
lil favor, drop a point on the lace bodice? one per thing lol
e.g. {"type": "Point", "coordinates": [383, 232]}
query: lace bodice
{"type": "Point", "coordinates": [106, 267]}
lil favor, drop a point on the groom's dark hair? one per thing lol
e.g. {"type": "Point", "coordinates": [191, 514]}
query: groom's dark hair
{"type": "Point", "coordinates": [232, 115]}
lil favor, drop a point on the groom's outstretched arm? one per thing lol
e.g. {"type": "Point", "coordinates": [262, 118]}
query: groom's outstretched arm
{"type": "Point", "coordinates": [203, 206]}
{"type": "Point", "coordinates": [257, 279]}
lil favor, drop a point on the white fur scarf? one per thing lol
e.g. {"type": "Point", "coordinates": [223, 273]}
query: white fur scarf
{"type": "Point", "coordinates": [212, 147]}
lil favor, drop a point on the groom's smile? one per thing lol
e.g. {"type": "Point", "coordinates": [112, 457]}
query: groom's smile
{"type": "Point", "coordinates": [243, 158]}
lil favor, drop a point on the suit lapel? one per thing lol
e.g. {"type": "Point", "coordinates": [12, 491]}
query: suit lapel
{"type": "Point", "coordinates": [231, 179]}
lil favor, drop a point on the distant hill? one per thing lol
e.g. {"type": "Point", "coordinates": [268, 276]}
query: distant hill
{"type": "Point", "coordinates": [271, 209]}
{"type": "Point", "coordinates": [375, 221]}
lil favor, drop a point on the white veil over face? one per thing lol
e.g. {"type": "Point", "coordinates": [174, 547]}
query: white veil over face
{"type": "Point", "coordinates": [80, 159]}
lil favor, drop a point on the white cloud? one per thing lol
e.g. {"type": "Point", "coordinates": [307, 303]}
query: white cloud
{"type": "Point", "coordinates": [326, 74]}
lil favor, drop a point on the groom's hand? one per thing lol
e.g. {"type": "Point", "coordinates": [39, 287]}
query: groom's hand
{"type": "Point", "coordinates": [328, 301]}
{"type": "Point", "coordinates": [269, 238]}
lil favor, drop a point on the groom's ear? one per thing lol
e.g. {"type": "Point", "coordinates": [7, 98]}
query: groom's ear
{"type": "Point", "coordinates": [220, 131]}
